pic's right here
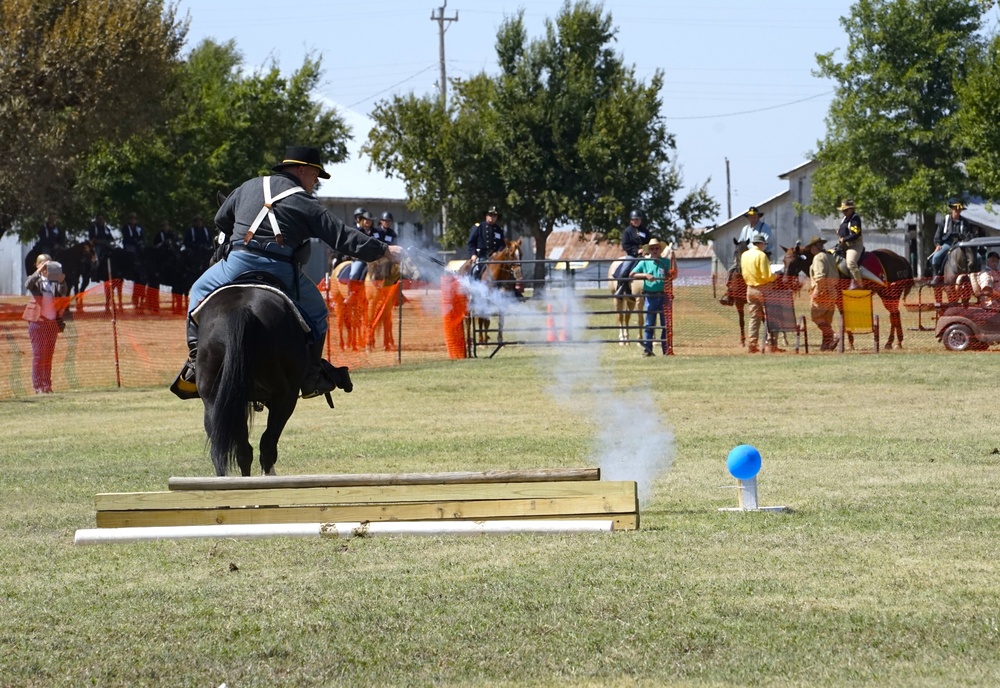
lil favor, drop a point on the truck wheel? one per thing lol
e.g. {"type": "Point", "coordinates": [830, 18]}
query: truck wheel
{"type": "Point", "coordinates": [957, 337]}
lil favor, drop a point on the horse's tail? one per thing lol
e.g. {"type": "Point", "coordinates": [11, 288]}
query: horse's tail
{"type": "Point", "coordinates": [231, 410]}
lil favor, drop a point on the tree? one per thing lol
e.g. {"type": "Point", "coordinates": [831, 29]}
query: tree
{"type": "Point", "coordinates": [978, 125]}
{"type": "Point", "coordinates": [71, 74]}
{"type": "Point", "coordinates": [225, 127]}
{"type": "Point", "coordinates": [564, 134]}
{"type": "Point", "coordinates": [891, 130]}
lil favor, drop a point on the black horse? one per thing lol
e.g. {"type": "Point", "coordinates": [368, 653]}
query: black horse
{"type": "Point", "coordinates": [252, 354]}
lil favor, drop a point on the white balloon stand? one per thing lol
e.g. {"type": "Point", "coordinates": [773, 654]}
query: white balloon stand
{"type": "Point", "coordinates": [748, 498]}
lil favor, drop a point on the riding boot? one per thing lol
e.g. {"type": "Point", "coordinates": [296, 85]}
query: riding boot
{"type": "Point", "coordinates": [321, 376]}
{"type": "Point", "coordinates": [853, 285]}
{"type": "Point", "coordinates": [185, 385]}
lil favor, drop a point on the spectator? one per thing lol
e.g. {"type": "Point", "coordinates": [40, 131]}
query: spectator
{"type": "Point", "coordinates": [654, 271]}
{"type": "Point", "coordinates": [756, 268]}
{"type": "Point", "coordinates": [989, 279]}
{"type": "Point", "coordinates": [851, 242]}
{"type": "Point", "coordinates": [823, 278]}
{"type": "Point", "coordinates": [47, 286]}
{"type": "Point", "coordinates": [954, 230]}
{"type": "Point", "coordinates": [267, 241]}
{"type": "Point", "coordinates": [485, 239]}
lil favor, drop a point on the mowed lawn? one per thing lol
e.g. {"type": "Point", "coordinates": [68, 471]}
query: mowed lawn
{"type": "Point", "coordinates": [884, 573]}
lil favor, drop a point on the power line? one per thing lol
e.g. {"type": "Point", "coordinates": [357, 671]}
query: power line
{"type": "Point", "coordinates": [398, 83]}
{"type": "Point", "coordinates": [750, 112]}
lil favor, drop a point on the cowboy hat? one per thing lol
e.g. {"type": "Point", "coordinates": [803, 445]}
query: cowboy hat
{"type": "Point", "coordinates": [816, 240]}
{"type": "Point", "coordinates": [845, 204]}
{"type": "Point", "coordinates": [758, 239]}
{"type": "Point", "coordinates": [302, 155]}
{"type": "Point", "coordinates": [652, 242]}
{"type": "Point", "coordinates": [754, 210]}
{"type": "Point", "coordinates": [957, 205]}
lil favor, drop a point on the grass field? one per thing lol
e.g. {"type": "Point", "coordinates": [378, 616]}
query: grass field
{"type": "Point", "coordinates": [884, 573]}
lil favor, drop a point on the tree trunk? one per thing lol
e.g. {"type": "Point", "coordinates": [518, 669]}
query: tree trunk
{"type": "Point", "coordinates": [540, 235]}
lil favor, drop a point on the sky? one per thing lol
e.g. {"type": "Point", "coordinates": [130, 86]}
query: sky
{"type": "Point", "coordinates": [738, 75]}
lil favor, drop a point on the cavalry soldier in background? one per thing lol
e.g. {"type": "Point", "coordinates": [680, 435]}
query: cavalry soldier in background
{"type": "Point", "coordinates": [101, 237]}
{"type": "Point", "coordinates": [51, 236]}
{"type": "Point", "coordinates": [197, 237]}
{"type": "Point", "coordinates": [132, 240]}
{"type": "Point", "coordinates": [954, 230]}
{"type": "Point", "coordinates": [851, 242]}
{"type": "Point", "coordinates": [385, 230]}
{"type": "Point", "coordinates": [363, 221]}
{"type": "Point", "coordinates": [756, 225]}
{"type": "Point", "coordinates": [265, 220]}
{"type": "Point", "coordinates": [485, 239]}
{"type": "Point", "coordinates": [635, 236]}
{"type": "Point", "coordinates": [166, 238]}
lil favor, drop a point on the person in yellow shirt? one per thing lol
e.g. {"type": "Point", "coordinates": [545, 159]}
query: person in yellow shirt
{"type": "Point", "coordinates": [756, 269]}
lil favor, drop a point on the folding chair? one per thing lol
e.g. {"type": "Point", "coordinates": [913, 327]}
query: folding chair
{"type": "Point", "coordinates": [857, 316]}
{"type": "Point", "coordinates": [779, 317]}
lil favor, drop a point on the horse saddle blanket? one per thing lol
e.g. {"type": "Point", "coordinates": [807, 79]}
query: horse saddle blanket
{"type": "Point", "coordinates": [288, 300]}
{"type": "Point", "coordinates": [871, 268]}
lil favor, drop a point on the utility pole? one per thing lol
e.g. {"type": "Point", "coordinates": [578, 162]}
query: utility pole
{"type": "Point", "coordinates": [729, 198]}
{"type": "Point", "coordinates": [441, 19]}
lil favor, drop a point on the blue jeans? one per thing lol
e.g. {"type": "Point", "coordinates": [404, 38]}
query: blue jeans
{"type": "Point", "coordinates": [654, 309]}
{"type": "Point", "coordinates": [357, 271]}
{"type": "Point", "coordinates": [310, 302]}
{"type": "Point", "coordinates": [937, 258]}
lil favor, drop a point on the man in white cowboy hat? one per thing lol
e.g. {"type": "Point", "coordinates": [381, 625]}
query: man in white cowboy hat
{"type": "Point", "coordinates": [265, 221]}
{"type": "Point", "coordinates": [756, 225]}
{"type": "Point", "coordinates": [849, 236]}
{"type": "Point", "coordinates": [823, 278]}
{"type": "Point", "coordinates": [954, 230]}
{"type": "Point", "coordinates": [654, 271]}
{"type": "Point", "coordinates": [756, 268]}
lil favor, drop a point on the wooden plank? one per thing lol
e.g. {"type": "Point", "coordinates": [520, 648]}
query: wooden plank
{"type": "Point", "coordinates": [347, 479]}
{"type": "Point", "coordinates": [201, 499]}
{"type": "Point", "coordinates": [424, 511]}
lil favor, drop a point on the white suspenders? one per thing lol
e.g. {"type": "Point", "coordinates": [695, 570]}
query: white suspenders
{"type": "Point", "coordinates": [268, 213]}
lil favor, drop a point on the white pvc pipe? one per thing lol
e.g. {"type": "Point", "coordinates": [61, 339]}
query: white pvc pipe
{"type": "Point", "coordinates": [94, 536]}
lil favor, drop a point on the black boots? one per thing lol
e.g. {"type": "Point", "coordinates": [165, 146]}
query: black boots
{"type": "Point", "coordinates": [184, 386]}
{"type": "Point", "coordinates": [321, 376]}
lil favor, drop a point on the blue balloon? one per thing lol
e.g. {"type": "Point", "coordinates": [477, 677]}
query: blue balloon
{"type": "Point", "coordinates": [743, 462]}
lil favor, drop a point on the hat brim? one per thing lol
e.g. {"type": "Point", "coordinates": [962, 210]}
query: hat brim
{"type": "Point", "coordinates": [323, 174]}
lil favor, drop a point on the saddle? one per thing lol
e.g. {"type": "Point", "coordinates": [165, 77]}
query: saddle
{"type": "Point", "coordinates": [256, 279]}
{"type": "Point", "coordinates": [869, 264]}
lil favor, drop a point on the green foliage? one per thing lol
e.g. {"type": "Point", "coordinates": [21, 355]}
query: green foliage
{"type": "Point", "coordinates": [72, 74]}
{"type": "Point", "coordinates": [225, 127]}
{"type": "Point", "coordinates": [979, 127]}
{"type": "Point", "coordinates": [891, 139]}
{"type": "Point", "coordinates": [564, 134]}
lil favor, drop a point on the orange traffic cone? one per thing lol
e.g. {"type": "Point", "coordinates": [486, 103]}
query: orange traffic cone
{"type": "Point", "coordinates": [550, 324]}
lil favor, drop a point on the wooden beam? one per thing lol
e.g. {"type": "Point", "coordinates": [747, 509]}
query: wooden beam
{"type": "Point", "coordinates": [349, 480]}
{"type": "Point", "coordinates": [318, 496]}
{"type": "Point", "coordinates": [570, 507]}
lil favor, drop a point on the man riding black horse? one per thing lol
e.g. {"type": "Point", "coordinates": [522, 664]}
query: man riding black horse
{"type": "Point", "coordinates": [266, 220]}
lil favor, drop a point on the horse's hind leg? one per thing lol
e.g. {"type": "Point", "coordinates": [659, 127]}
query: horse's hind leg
{"type": "Point", "coordinates": [277, 416]}
{"type": "Point", "coordinates": [743, 324]}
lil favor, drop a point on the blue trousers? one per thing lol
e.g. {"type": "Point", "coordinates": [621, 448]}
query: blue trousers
{"type": "Point", "coordinates": [937, 258]}
{"type": "Point", "coordinates": [654, 308]}
{"type": "Point", "coordinates": [357, 271]}
{"type": "Point", "coordinates": [310, 302]}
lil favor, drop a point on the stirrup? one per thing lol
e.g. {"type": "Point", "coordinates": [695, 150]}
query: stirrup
{"type": "Point", "coordinates": [185, 386]}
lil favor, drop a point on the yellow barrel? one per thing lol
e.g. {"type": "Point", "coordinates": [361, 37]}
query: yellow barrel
{"type": "Point", "coordinates": [858, 310]}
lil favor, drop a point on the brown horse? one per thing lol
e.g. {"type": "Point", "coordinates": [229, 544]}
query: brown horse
{"type": "Point", "coordinates": [382, 296]}
{"type": "Point", "coordinates": [360, 307]}
{"type": "Point", "coordinates": [894, 281]}
{"type": "Point", "coordinates": [503, 272]}
{"type": "Point", "coordinates": [736, 288]}
{"type": "Point", "coordinates": [627, 304]}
